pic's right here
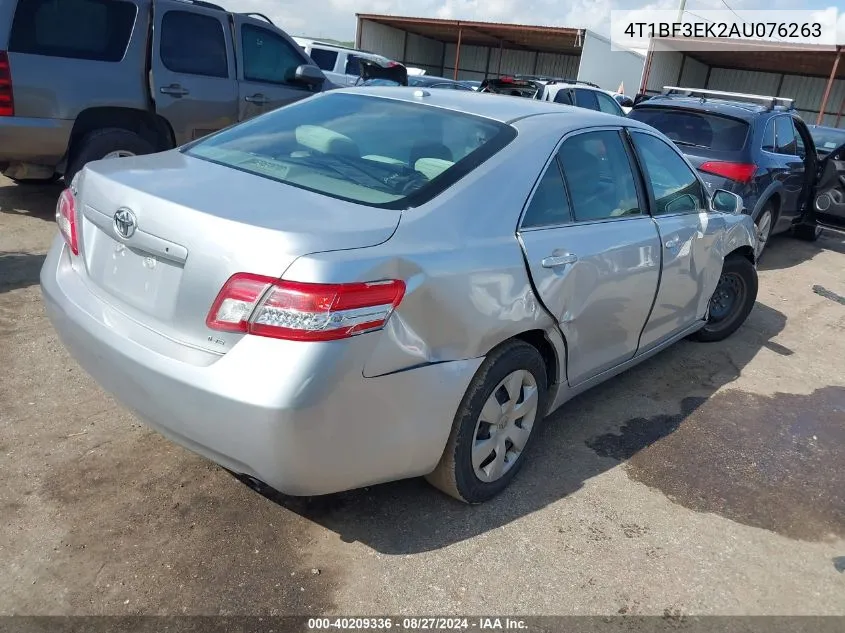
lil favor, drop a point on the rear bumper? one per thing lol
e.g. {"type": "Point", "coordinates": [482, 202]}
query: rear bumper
{"type": "Point", "coordinates": [30, 140]}
{"type": "Point", "coordinates": [299, 417]}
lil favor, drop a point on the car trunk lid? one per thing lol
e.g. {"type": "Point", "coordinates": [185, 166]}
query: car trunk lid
{"type": "Point", "coordinates": [161, 234]}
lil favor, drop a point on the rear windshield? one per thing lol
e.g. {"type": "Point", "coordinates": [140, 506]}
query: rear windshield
{"type": "Point", "coordinates": [369, 150]}
{"type": "Point", "coordinates": [695, 129]}
{"type": "Point", "coordinates": [827, 139]}
{"type": "Point", "coordinates": [512, 87]}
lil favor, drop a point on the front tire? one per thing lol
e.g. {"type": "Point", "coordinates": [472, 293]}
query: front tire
{"type": "Point", "coordinates": [732, 300]}
{"type": "Point", "coordinates": [495, 425]}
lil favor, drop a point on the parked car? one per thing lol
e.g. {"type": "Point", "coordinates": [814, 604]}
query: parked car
{"type": "Point", "coordinates": [316, 300]}
{"type": "Point", "coordinates": [564, 91]}
{"type": "Point", "coordinates": [66, 99]}
{"type": "Point", "coordinates": [826, 139]}
{"type": "Point", "coordinates": [421, 81]}
{"type": "Point", "coordinates": [340, 64]}
{"type": "Point", "coordinates": [755, 146]}
{"type": "Point", "coordinates": [472, 83]}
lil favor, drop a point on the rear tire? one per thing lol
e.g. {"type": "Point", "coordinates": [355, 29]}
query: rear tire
{"type": "Point", "coordinates": [511, 381]}
{"type": "Point", "coordinates": [807, 232]}
{"type": "Point", "coordinates": [98, 144]}
{"type": "Point", "coordinates": [764, 224]}
{"type": "Point", "coordinates": [732, 300]}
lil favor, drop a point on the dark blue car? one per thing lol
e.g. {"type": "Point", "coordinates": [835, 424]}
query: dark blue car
{"type": "Point", "coordinates": [757, 147]}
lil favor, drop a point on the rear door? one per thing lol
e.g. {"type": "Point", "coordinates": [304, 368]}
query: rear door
{"type": "Point", "coordinates": [688, 230]}
{"type": "Point", "coordinates": [267, 61]}
{"type": "Point", "coordinates": [592, 251]}
{"type": "Point", "coordinates": [193, 69]}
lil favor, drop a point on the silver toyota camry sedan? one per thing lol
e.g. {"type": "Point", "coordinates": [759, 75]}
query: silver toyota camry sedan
{"type": "Point", "coordinates": [381, 283]}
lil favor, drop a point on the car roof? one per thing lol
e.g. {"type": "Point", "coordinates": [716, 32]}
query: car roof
{"type": "Point", "coordinates": [737, 109]}
{"type": "Point", "coordinates": [502, 108]}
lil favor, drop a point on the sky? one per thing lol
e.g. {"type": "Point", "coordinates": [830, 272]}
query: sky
{"type": "Point", "coordinates": [336, 18]}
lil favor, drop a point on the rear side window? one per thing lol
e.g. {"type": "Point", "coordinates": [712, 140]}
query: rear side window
{"type": "Point", "coordinates": [598, 176]}
{"type": "Point", "coordinates": [785, 142]}
{"type": "Point", "coordinates": [695, 129]}
{"type": "Point", "coordinates": [586, 99]}
{"type": "Point", "coordinates": [193, 44]}
{"type": "Point", "coordinates": [564, 96]}
{"type": "Point", "coordinates": [324, 58]}
{"type": "Point", "coordinates": [79, 29]}
{"type": "Point", "coordinates": [549, 205]}
{"type": "Point", "coordinates": [267, 56]}
{"type": "Point", "coordinates": [378, 152]}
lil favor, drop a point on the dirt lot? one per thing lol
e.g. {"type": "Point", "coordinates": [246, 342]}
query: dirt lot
{"type": "Point", "coordinates": [711, 479]}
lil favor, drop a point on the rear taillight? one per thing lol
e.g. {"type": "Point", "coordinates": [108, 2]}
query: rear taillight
{"type": "Point", "coordinates": [66, 219]}
{"type": "Point", "coordinates": [7, 102]}
{"type": "Point", "coordinates": [296, 311]}
{"type": "Point", "coordinates": [741, 172]}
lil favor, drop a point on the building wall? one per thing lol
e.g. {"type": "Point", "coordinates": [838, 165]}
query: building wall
{"type": "Point", "coordinates": [672, 68]}
{"type": "Point", "coordinates": [608, 68]}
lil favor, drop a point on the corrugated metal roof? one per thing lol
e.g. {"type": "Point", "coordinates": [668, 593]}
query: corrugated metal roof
{"type": "Point", "coordinates": [553, 39]}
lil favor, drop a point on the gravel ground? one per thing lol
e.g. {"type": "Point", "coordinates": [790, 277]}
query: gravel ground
{"type": "Point", "coordinates": [709, 480]}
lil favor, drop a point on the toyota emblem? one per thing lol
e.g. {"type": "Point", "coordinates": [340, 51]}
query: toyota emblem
{"type": "Point", "coordinates": [125, 223]}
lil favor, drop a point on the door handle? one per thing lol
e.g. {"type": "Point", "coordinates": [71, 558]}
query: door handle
{"type": "Point", "coordinates": [674, 243]}
{"type": "Point", "coordinates": [559, 260]}
{"type": "Point", "coordinates": [174, 90]}
{"type": "Point", "coordinates": [259, 99]}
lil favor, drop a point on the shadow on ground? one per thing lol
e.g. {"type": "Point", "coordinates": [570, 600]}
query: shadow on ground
{"type": "Point", "coordinates": [19, 270]}
{"type": "Point", "coordinates": [771, 462]}
{"type": "Point", "coordinates": [35, 200]}
{"type": "Point", "coordinates": [784, 251]}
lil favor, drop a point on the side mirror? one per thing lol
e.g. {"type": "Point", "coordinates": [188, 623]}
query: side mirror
{"type": "Point", "coordinates": [309, 75]}
{"type": "Point", "coordinates": [625, 102]}
{"type": "Point", "coordinates": [726, 202]}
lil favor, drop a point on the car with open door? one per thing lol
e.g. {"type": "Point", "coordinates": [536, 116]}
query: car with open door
{"type": "Point", "coordinates": [828, 202]}
{"type": "Point", "coordinates": [756, 146]}
{"type": "Point", "coordinates": [316, 300]}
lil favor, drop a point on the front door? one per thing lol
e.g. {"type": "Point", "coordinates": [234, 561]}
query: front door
{"type": "Point", "coordinates": [267, 62]}
{"type": "Point", "coordinates": [592, 251]}
{"type": "Point", "coordinates": [687, 232]}
{"type": "Point", "coordinates": [829, 201]}
{"type": "Point", "coordinates": [193, 69]}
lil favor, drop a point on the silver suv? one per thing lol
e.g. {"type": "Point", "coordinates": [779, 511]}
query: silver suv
{"type": "Point", "coordinates": [82, 80]}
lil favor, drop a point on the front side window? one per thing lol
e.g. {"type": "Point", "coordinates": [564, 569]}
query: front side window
{"type": "Point", "coordinates": [324, 58]}
{"type": "Point", "coordinates": [268, 57]}
{"type": "Point", "coordinates": [193, 44]}
{"type": "Point", "coordinates": [368, 150]}
{"type": "Point", "coordinates": [598, 176]}
{"type": "Point", "coordinates": [673, 184]}
{"type": "Point", "coordinates": [79, 29]}
{"type": "Point", "coordinates": [608, 104]}
{"type": "Point", "coordinates": [353, 65]}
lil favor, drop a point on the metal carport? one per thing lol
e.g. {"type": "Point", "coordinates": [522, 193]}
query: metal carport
{"type": "Point", "coordinates": [464, 49]}
{"type": "Point", "coordinates": [812, 75]}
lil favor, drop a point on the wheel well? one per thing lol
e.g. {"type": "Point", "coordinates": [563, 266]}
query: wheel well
{"type": "Point", "coordinates": [774, 200]}
{"type": "Point", "coordinates": [148, 125]}
{"type": "Point", "coordinates": [743, 251]}
{"type": "Point", "coordinates": [537, 339]}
